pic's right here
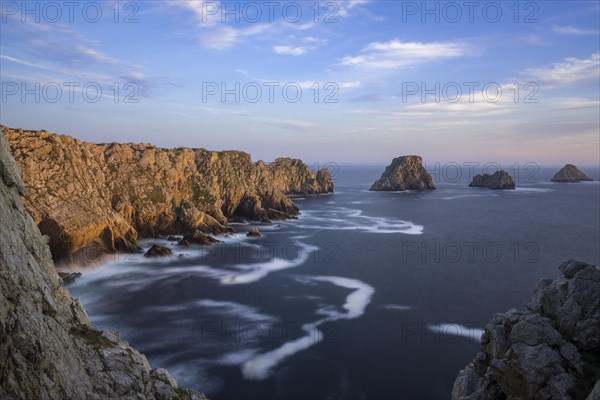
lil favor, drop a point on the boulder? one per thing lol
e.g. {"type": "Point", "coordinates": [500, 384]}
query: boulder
{"type": "Point", "coordinates": [198, 237]}
{"type": "Point", "coordinates": [157, 251]}
{"type": "Point", "coordinates": [254, 233]}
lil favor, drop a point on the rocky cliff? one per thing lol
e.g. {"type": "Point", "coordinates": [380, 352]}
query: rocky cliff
{"type": "Point", "coordinates": [570, 173]}
{"type": "Point", "coordinates": [48, 349]}
{"type": "Point", "coordinates": [92, 199]}
{"type": "Point", "coordinates": [404, 173]}
{"type": "Point", "coordinates": [499, 180]}
{"type": "Point", "coordinates": [549, 351]}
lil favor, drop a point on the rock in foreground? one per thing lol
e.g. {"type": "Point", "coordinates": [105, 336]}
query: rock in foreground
{"type": "Point", "coordinates": [48, 348]}
{"type": "Point", "coordinates": [547, 352]}
{"type": "Point", "coordinates": [499, 180]}
{"type": "Point", "coordinates": [570, 173]}
{"type": "Point", "coordinates": [404, 173]}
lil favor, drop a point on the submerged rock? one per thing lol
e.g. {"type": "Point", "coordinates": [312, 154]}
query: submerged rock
{"type": "Point", "coordinates": [91, 199]}
{"type": "Point", "coordinates": [254, 233]}
{"type": "Point", "coordinates": [570, 173]}
{"type": "Point", "coordinates": [158, 251]}
{"type": "Point", "coordinates": [548, 351]}
{"type": "Point", "coordinates": [48, 347]}
{"type": "Point", "coordinates": [404, 173]}
{"type": "Point", "coordinates": [499, 180]}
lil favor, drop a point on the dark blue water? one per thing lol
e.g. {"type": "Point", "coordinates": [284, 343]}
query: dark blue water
{"type": "Point", "coordinates": [366, 296]}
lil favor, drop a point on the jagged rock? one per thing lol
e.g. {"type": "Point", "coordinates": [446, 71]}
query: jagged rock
{"type": "Point", "coordinates": [69, 277]}
{"type": "Point", "coordinates": [197, 237]}
{"type": "Point", "coordinates": [173, 238]}
{"type": "Point", "coordinates": [92, 199]}
{"type": "Point", "coordinates": [499, 180]}
{"type": "Point", "coordinates": [549, 351]}
{"type": "Point", "coordinates": [158, 251]}
{"type": "Point", "coordinates": [48, 348]}
{"type": "Point", "coordinates": [570, 173]}
{"type": "Point", "coordinates": [404, 173]}
{"type": "Point", "coordinates": [254, 232]}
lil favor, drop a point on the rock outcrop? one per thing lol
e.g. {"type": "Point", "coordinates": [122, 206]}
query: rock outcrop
{"type": "Point", "coordinates": [48, 349]}
{"type": "Point", "coordinates": [570, 173]}
{"type": "Point", "coordinates": [157, 251]}
{"type": "Point", "coordinates": [404, 173]}
{"type": "Point", "coordinates": [499, 180]}
{"type": "Point", "coordinates": [549, 351]}
{"type": "Point", "coordinates": [92, 199]}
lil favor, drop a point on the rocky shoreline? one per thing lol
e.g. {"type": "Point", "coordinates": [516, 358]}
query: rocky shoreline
{"type": "Point", "coordinates": [96, 199]}
{"type": "Point", "coordinates": [550, 351]}
{"type": "Point", "coordinates": [48, 348]}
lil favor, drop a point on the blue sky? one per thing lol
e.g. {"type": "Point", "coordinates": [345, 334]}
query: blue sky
{"type": "Point", "coordinates": [370, 60]}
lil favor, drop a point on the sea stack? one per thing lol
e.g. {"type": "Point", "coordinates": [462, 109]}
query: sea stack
{"type": "Point", "coordinates": [404, 173]}
{"type": "Point", "coordinates": [548, 351]}
{"type": "Point", "coordinates": [570, 173]}
{"type": "Point", "coordinates": [499, 180]}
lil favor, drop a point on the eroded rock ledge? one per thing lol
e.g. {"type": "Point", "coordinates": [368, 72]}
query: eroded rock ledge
{"type": "Point", "coordinates": [48, 349]}
{"type": "Point", "coordinates": [550, 351]}
{"type": "Point", "coordinates": [92, 199]}
{"type": "Point", "coordinates": [404, 173]}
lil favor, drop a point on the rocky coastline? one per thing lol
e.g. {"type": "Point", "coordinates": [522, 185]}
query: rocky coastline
{"type": "Point", "coordinates": [48, 348]}
{"type": "Point", "coordinates": [95, 199]}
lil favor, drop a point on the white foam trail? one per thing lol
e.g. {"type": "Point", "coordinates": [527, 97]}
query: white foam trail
{"type": "Point", "coordinates": [397, 307]}
{"type": "Point", "coordinates": [259, 367]}
{"type": "Point", "coordinates": [237, 310]}
{"type": "Point", "coordinates": [237, 357]}
{"type": "Point", "coordinates": [457, 330]}
{"type": "Point", "coordinates": [519, 189]}
{"type": "Point", "coordinates": [258, 271]}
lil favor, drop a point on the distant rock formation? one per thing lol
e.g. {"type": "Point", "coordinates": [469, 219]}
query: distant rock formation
{"type": "Point", "coordinates": [499, 180]}
{"type": "Point", "coordinates": [570, 173]}
{"type": "Point", "coordinates": [404, 173]}
{"type": "Point", "coordinates": [48, 349]}
{"type": "Point", "coordinates": [92, 199]}
{"type": "Point", "coordinates": [548, 352]}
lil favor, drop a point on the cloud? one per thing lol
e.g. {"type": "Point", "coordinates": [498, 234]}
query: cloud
{"type": "Point", "coordinates": [571, 30]}
{"type": "Point", "coordinates": [397, 54]}
{"type": "Point", "coordinates": [290, 51]}
{"type": "Point", "coordinates": [346, 6]}
{"type": "Point", "coordinates": [570, 70]}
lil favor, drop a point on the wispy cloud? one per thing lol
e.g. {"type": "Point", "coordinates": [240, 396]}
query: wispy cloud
{"type": "Point", "coordinates": [290, 51]}
{"type": "Point", "coordinates": [397, 54]}
{"type": "Point", "coordinates": [572, 30]}
{"type": "Point", "coordinates": [568, 71]}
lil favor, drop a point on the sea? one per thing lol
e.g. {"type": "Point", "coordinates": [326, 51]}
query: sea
{"type": "Point", "coordinates": [366, 295]}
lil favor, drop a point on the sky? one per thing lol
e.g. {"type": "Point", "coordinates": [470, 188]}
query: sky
{"type": "Point", "coordinates": [350, 81]}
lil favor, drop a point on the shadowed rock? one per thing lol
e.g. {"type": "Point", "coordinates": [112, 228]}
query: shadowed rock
{"type": "Point", "coordinates": [253, 233]}
{"type": "Point", "coordinates": [570, 173]}
{"type": "Point", "coordinates": [48, 348]}
{"type": "Point", "coordinates": [157, 251]}
{"type": "Point", "coordinates": [549, 351]}
{"type": "Point", "coordinates": [499, 180]}
{"type": "Point", "coordinates": [404, 173]}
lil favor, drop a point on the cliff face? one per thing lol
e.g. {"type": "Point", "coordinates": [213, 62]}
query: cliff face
{"type": "Point", "coordinates": [404, 173]}
{"type": "Point", "coordinates": [48, 348]}
{"type": "Point", "coordinates": [570, 173]}
{"type": "Point", "coordinates": [92, 199]}
{"type": "Point", "coordinates": [550, 351]}
{"type": "Point", "coordinates": [499, 180]}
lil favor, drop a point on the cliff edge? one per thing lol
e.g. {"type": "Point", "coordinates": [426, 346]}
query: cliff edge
{"type": "Point", "coordinates": [48, 348]}
{"type": "Point", "coordinates": [91, 199]}
{"type": "Point", "coordinates": [550, 351]}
